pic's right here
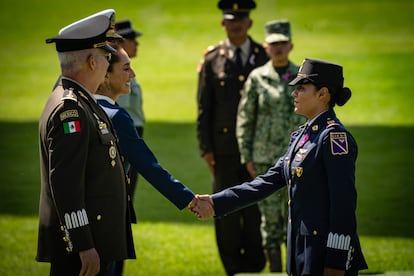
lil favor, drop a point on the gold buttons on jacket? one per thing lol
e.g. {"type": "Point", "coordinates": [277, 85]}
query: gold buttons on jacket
{"type": "Point", "coordinates": [225, 130]}
{"type": "Point", "coordinates": [241, 78]}
{"type": "Point", "coordinates": [98, 217]}
{"type": "Point", "coordinates": [222, 83]}
{"type": "Point", "coordinates": [315, 232]}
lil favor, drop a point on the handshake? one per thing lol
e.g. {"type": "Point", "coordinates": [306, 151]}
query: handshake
{"type": "Point", "coordinates": [202, 206]}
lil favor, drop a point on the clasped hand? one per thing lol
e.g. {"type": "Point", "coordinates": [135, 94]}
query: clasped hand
{"type": "Point", "coordinates": [202, 206]}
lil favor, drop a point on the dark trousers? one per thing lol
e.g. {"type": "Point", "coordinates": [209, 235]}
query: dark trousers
{"type": "Point", "coordinates": [71, 266]}
{"type": "Point", "coordinates": [116, 268]}
{"type": "Point", "coordinates": [238, 235]}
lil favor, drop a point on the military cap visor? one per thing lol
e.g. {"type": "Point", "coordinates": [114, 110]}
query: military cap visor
{"type": "Point", "coordinates": [91, 32]}
{"type": "Point", "coordinates": [273, 38]}
{"type": "Point", "coordinates": [231, 15]}
{"type": "Point", "coordinates": [66, 45]}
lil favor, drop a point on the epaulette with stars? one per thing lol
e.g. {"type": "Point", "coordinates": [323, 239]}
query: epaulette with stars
{"type": "Point", "coordinates": [69, 95]}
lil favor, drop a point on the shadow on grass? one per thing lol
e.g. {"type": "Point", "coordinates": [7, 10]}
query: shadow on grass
{"type": "Point", "coordinates": [385, 182]}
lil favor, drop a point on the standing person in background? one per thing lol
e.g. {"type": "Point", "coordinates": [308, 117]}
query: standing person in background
{"type": "Point", "coordinates": [222, 74]}
{"type": "Point", "coordinates": [84, 219]}
{"type": "Point", "coordinates": [132, 102]}
{"type": "Point", "coordinates": [265, 119]}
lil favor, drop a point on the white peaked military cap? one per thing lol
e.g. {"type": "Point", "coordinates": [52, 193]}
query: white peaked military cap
{"type": "Point", "coordinates": [93, 31]}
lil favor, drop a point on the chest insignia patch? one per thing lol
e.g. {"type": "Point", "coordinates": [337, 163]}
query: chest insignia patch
{"type": "Point", "coordinates": [339, 143]}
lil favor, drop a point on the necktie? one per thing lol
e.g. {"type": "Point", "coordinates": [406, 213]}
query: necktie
{"type": "Point", "coordinates": [239, 61]}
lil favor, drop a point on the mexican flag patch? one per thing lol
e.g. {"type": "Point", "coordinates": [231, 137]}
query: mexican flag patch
{"type": "Point", "coordinates": [71, 127]}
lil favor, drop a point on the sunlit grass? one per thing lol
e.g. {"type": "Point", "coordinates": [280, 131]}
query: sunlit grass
{"type": "Point", "coordinates": [373, 40]}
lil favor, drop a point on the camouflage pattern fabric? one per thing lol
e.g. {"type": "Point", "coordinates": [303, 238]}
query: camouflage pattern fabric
{"type": "Point", "coordinates": [274, 215]}
{"type": "Point", "coordinates": [265, 120]}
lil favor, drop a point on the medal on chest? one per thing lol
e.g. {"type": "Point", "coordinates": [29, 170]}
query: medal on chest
{"type": "Point", "coordinates": [112, 154]}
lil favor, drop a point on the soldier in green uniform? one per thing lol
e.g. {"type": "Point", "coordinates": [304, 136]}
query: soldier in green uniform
{"type": "Point", "coordinates": [84, 214]}
{"type": "Point", "coordinates": [265, 119]}
{"type": "Point", "coordinates": [222, 74]}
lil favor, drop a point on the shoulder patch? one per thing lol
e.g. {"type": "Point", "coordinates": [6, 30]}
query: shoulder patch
{"type": "Point", "coordinates": [71, 127]}
{"type": "Point", "coordinates": [69, 95]}
{"type": "Point", "coordinates": [339, 143]}
{"type": "Point", "coordinates": [72, 113]}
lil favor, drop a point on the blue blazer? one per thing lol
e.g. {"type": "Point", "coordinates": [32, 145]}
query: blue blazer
{"type": "Point", "coordinates": [137, 154]}
{"type": "Point", "coordinates": [319, 170]}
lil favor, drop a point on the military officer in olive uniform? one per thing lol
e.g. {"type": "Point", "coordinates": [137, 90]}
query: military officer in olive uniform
{"type": "Point", "coordinates": [84, 215]}
{"type": "Point", "coordinates": [222, 74]}
{"type": "Point", "coordinates": [318, 169]}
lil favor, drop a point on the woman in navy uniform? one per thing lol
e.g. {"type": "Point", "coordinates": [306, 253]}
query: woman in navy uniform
{"type": "Point", "coordinates": [319, 170]}
{"type": "Point", "coordinates": [84, 220]}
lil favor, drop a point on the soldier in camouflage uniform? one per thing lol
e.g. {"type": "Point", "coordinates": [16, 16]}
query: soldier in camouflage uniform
{"type": "Point", "coordinates": [265, 119]}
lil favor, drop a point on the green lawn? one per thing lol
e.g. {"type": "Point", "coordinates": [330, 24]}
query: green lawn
{"type": "Point", "coordinates": [374, 40]}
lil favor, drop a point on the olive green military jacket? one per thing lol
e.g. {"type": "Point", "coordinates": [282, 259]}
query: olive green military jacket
{"type": "Point", "coordinates": [266, 115]}
{"type": "Point", "coordinates": [219, 88]}
{"type": "Point", "coordinates": [83, 197]}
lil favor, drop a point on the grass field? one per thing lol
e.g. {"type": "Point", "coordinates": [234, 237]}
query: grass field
{"type": "Point", "coordinates": [373, 40]}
